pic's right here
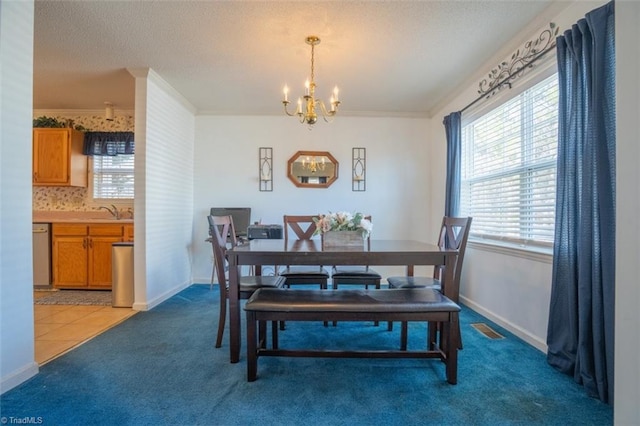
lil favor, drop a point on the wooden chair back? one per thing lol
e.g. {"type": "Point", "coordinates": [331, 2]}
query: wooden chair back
{"type": "Point", "coordinates": [302, 227]}
{"type": "Point", "coordinates": [454, 233]}
{"type": "Point", "coordinates": [222, 233]}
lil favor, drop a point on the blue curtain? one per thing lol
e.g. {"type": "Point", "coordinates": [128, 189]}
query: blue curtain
{"type": "Point", "coordinates": [108, 143]}
{"type": "Point", "coordinates": [453, 128]}
{"type": "Point", "coordinates": [580, 331]}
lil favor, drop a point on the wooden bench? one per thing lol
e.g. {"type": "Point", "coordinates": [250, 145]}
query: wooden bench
{"type": "Point", "coordinates": [425, 305]}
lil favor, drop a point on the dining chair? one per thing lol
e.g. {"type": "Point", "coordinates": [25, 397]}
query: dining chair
{"type": "Point", "coordinates": [232, 240]}
{"type": "Point", "coordinates": [356, 275]}
{"type": "Point", "coordinates": [223, 236]}
{"type": "Point", "coordinates": [302, 228]}
{"type": "Point", "coordinates": [454, 233]}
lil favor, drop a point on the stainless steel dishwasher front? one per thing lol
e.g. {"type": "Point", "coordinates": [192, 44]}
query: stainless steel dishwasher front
{"type": "Point", "coordinates": [41, 255]}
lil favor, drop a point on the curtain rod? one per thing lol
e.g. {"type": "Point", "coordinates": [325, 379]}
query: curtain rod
{"type": "Point", "coordinates": [507, 78]}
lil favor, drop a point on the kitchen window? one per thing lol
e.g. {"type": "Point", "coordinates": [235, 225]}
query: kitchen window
{"type": "Point", "coordinates": [113, 177]}
{"type": "Point", "coordinates": [508, 179]}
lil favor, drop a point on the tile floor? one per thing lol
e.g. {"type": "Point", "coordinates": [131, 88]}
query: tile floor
{"type": "Point", "coordinates": [59, 328]}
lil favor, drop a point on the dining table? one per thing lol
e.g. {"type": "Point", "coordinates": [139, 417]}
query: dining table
{"type": "Point", "coordinates": [261, 252]}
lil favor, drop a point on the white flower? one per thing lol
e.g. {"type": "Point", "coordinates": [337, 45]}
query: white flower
{"type": "Point", "coordinates": [343, 221]}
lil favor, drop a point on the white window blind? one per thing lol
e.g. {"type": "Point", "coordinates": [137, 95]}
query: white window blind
{"type": "Point", "coordinates": [113, 177]}
{"type": "Point", "coordinates": [509, 169]}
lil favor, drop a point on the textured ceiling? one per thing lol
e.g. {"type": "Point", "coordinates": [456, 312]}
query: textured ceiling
{"type": "Point", "coordinates": [234, 57]}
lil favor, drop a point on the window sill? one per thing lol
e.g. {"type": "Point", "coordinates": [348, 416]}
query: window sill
{"type": "Point", "coordinates": [531, 253]}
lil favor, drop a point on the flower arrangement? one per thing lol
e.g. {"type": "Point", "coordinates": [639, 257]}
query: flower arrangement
{"type": "Point", "coordinates": [343, 221]}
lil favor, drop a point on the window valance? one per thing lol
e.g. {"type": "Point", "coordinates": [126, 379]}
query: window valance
{"type": "Point", "coordinates": [108, 143]}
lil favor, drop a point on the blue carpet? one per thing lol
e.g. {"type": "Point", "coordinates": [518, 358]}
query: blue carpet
{"type": "Point", "coordinates": [160, 368]}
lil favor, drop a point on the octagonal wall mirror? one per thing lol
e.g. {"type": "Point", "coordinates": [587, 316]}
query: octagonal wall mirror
{"type": "Point", "coordinates": [312, 169]}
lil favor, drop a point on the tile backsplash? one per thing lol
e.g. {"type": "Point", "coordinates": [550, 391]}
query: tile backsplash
{"type": "Point", "coordinates": [52, 198]}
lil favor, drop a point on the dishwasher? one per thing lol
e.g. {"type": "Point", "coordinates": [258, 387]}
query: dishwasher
{"type": "Point", "coordinates": [41, 255]}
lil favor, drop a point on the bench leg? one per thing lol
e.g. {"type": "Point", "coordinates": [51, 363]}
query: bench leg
{"type": "Point", "coordinates": [252, 349]}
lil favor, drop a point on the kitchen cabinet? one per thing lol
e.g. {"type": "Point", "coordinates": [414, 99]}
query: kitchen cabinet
{"type": "Point", "coordinates": [128, 234]}
{"type": "Point", "coordinates": [69, 256]}
{"type": "Point", "coordinates": [82, 254]}
{"type": "Point", "coordinates": [58, 158]}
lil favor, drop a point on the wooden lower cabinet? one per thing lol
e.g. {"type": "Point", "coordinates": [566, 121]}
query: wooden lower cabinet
{"type": "Point", "coordinates": [99, 266]}
{"type": "Point", "coordinates": [82, 255]}
{"type": "Point", "coordinates": [70, 261]}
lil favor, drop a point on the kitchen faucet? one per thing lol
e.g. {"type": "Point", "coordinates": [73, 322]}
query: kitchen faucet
{"type": "Point", "coordinates": [113, 210]}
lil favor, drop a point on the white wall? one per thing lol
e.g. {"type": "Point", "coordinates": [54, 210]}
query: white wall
{"type": "Point", "coordinates": [17, 361]}
{"type": "Point", "coordinates": [627, 333]}
{"type": "Point", "coordinates": [164, 133]}
{"type": "Point", "coordinates": [226, 174]}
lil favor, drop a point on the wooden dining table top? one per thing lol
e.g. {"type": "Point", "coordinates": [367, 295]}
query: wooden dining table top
{"type": "Point", "coordinates": [394, 251]}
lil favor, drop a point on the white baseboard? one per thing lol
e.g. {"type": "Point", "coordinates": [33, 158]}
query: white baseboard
{"type": "Point", "coordinates": [519, 332]}
{"type": "Point", "coordinates": [150, 304]}
{"type": "Point", "coordinates": [22, 375]}
{"type": "Point", "coordinates": [201, 280]}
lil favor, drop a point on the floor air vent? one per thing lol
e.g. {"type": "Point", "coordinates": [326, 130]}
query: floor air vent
{"type": "Point", "coordinates": [487, 331]}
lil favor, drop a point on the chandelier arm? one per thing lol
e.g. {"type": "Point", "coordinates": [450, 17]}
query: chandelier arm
{"type": "Point", "coordinates": [286, 111]}
{"type": "Point", "coordinates": [327, 115]}
{"type": "Point", "coordinates": [300, 115]}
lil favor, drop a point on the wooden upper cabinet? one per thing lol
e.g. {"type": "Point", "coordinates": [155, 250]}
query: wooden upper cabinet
{"type": "Point", "coordinates": [58, 158]}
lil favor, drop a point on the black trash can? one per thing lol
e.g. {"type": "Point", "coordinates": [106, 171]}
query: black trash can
{"type": "Point", "coordinates": [122, 275]}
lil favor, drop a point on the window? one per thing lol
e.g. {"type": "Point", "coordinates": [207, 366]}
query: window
{"type": "Point", "coordinates": [113, 176]}
{"type": "Point", "coordinates": [509, 169]}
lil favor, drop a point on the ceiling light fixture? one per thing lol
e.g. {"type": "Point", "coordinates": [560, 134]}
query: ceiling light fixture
{"type": "Point", "coordinates": [108, 111]}
{"type": "Point", "coordinates": [308, 114]}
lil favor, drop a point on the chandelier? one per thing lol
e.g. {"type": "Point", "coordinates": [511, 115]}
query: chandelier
{"type": "Point", "coordinates": [307, 109]}
{"type": "Point", "coordinates": [313, 165]}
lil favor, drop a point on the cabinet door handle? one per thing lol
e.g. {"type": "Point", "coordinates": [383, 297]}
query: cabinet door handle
{"type": "Point", "coordinates": [84, 243]}
{"type": "Point", "coordinates": [91, 242]}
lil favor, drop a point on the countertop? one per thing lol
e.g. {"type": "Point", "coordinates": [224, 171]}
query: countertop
{"type": "Point", "coordinates": [79, 217]}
